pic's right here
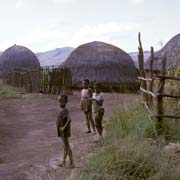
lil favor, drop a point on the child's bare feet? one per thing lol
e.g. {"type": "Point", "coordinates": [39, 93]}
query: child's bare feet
{"type": "Point", "coordinates": [63, 164]}
{"type": "Point", "coordinates": [89, 131]}
{"type": "Point", "coordinates": [72, 165]}
{"type": "Point", "coordinates": [101, 138]}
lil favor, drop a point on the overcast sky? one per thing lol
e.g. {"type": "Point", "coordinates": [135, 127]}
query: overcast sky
{"type": "Point", "coordinates": [47, 24]}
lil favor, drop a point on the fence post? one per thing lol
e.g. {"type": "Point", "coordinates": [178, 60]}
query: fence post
{"type": "Point", "coordinates": [151, 76]}
{"type": "Point", "coordinates": [141, 67]}
{"type": "Point", "coordinates": [160, 97]}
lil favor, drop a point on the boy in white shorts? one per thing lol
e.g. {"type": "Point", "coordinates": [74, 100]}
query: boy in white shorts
{"type": "Point", "coordinates": [86, 104]}
{"type": "Point", "coordinates": [98, 99]}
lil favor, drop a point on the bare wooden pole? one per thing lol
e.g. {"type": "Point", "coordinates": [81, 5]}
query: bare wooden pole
{"type": "Point", "coordinates": [141, 67]}
{"type": "Point", "coordinates": [151, 76]}
{"type": "Point", "coordinates": [160, 97]}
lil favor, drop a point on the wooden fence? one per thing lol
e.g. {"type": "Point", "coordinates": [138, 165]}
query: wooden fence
{"type": "Point", "coordinates": [50, 80]}
{"type": "Point", "coordinates": [147, 88]}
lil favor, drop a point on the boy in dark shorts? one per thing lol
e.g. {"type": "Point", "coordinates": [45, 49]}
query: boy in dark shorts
{"type": "Point", "coordinates": [63, 129]}
{"type": "Point", "coordinates": [98, 99]}
{"type": "Point", "coordinates": [86, 104]}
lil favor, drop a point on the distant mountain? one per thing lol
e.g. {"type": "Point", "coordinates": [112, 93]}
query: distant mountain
{"type": "Point", "coordinates": [134, 56]}
{"type": "Point", "coordinates": [54, 57]}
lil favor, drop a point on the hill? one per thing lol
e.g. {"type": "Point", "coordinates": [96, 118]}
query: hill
{"type": "Point", "coordinates": [134, 56]}
{"type": "Point", "coordinates": [54, 57]}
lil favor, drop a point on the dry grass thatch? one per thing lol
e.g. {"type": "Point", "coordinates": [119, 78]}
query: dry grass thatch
{"type": "Point", "coordinates": [172, 50]}
{"type": "Point", "coordinates": [101, 62]}
{"type": "Point", "coordinates": [17, 57]}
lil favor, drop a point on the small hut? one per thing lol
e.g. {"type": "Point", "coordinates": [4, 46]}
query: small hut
{"type": "Point", "coordinates": [17, 57]}
{"type": "Point", "coordinates": [103, 63]}
{"type": "Point", "coordinates": [172, 50]}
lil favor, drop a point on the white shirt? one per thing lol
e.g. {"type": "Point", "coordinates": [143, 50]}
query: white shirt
{"type": "Point", "coordinates": [85, 93]}
{"type": "Point", "coordinates": [96, 106]}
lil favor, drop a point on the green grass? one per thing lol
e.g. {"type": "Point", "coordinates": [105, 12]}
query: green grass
{"type": "Point", "coordinates": [132, 151]}
{"type": "Point", "coordinates": [8, 92]}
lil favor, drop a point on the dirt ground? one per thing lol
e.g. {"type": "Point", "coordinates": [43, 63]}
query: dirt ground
{"type": "Point", "coordinates": [29, 146]}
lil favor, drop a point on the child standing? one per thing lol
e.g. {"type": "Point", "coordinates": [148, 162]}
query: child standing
{"type": "Point", "coordinates": [98, 99]}
{"type": "Point", "coordinates": [63, 129]}
{"type": "Point", "coordinates": [86, 105]}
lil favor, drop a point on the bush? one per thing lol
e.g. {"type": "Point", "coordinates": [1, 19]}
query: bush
{"type": "Point", "coordinates": [7, 92]}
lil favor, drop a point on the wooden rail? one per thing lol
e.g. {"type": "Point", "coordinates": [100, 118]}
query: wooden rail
{"type": "Point", "coordinates": [146, 79]}
{"type": "Point", "coordinates": [148, 92]}
{"type": "Point", "coordinates": [167, 77]}
{"type": "Point", "coordinates": [167, 116]}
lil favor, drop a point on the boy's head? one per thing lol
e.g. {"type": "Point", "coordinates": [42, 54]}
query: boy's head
{"type": "Point", "coordinates": [85, 83]}
{"type": "Point", "coordinates": [97, 87]}
{"type": "Point", "coordinates": [63, 99]}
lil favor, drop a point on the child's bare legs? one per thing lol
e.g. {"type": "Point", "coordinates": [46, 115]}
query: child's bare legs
{"type": "Point", "coordinates": [87, 121]}
{"type": "Point", "coordinates": [98, 121]}
{"type": "Point", "coordinates": [70, 154]}
{"type": "Point", "coordinates": [91, 121]}
{"type": "Point", "coordinates": [67, 151]}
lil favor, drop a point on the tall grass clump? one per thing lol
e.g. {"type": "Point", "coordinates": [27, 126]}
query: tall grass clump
{"type": "Point", "coordinates": [7, 92]}
{"type": "Point", "coordinates": [131, 151]}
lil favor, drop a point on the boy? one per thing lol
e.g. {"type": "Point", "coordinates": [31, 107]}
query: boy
{"type": "Point", "coordinates": [98, 99]}
{"type": "Point", "coordinates": [63, 129]}
{"type": "Point", "coordinates": [86, 105]}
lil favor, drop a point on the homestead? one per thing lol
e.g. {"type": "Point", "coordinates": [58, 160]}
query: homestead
{"type": "Point", "coordinates": [126, 122]}
{"type": "Point", "coordinates": [21, 68]}
{"type": "Point", "coordinates": [103, 63]}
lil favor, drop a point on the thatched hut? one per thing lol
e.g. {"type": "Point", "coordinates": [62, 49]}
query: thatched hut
{"type": "Point", "coordinates": [17, 57]}
{"type": "Point", "coordinates": [172, 50]}
{"type": "Point", "coordinates": [103, 63]}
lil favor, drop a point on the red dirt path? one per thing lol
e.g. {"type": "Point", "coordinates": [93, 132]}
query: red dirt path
{"type": "Point", "coordinates": [29, 146]}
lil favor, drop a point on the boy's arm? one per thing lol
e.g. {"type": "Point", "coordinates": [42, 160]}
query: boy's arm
{"type": "Point", "coordinates": [58, 121]}
{"type": "Point", "coordinates": [90, 92]}
{"type": "Point", "coordinates": [68, 121]}
{"type": "Point", "coordinates": [100, 102]}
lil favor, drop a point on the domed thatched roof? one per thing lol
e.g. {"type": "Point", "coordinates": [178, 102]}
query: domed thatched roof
{"type": "Point", "coordinates": [172, 50]}
{"type": "Point", "coordinates": [17, 57]}
{"type": "Point", "coordinates": [101, 62]}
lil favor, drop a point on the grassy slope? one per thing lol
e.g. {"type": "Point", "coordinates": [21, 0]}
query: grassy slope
{"type": "Point", "coordinates": [131, 150]}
